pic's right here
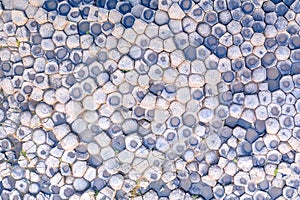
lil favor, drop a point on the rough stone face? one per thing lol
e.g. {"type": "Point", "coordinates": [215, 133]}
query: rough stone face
{"type": "Point", "coordinates": [149, 99]}
{"type": "Point", "coordinates": [18, 17]}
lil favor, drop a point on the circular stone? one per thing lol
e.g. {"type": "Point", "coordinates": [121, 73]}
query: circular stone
{"type": "Point", "coordinates": [116, 182]}
{"type": "Point", "coordinates": [129, 126]}
{"type": "Point", "coordinates": [205, 115]}
{"type": "Point", "coordinates": [213, 141]}
{"type": "Point", "coordinates": [189, 120]}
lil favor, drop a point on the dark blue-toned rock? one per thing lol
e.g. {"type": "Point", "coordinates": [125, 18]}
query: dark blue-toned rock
{"type": "Point", "coordinates": [219, 192]}
{"type": "Point", "coordinates": [95, 161]}
{"type": "Point", "coordinates": [275, 192]}
{"type": "Point", "coordinates": [111, 4]}
{"type": "Point", "coordinates": [62, 53]}
{"type": "Point", "coordinates": [228, 76]}
{"type": "Point", "coordinates": [243, 123]}
{"type": "Point", "coordinates": [288, 157]}
{"type": "Point", "coordinates": [264, 185]}
{"type": "Point", "coordinates": [74, 3]}
{"type": "Point", "coordinates": [232, 4]}
{"type": "Point", "coordinates": [50, 5]}
{"type": "Point", "coordinates": [231, 122]}
{"type": "Point", "coordinates": [185, 5]}
{"type": "Point", "coordinates": [225, 179]}
{"type": "Point", "coordinates": [273, 73]}
{"type": "Point", "coordinates": [161, 188]}
{"type": "Point", "coordinates": [244, 149]}
{"type": "Point", "coordinates": [101, 3]}
{"type": "Point", "coordinates": [211, 43]}
{"type": "Point", "coordinates": [294, 42]}
{"type": "Point", "coordinates": [284, 67]}
{"type": "Point", "coordinates": [106, 26]}
{"type": "Point", "coordinates": [258, 15]}
{"type": "Point", "coordinates": [237, 14]}
{"type": "Point", "coordinates": [84, 27]}
{"type": "Point", "coordinates": [247, 33]}
{"type": "Point", "coordinates": [211, 18]}
{"type": "Point", "coordinates": [139, 112]}
{"type": "Point", "coordinates": [221, 51]}
{"type": "Point", "coordinates": [128, 20]}
{"type": "Point", "coordinates": [88, 1]}
{"type": "Point", "coordinates": [259, 146]}
{"type": "Point", "coordinates": [37, 51]}
{"type": "Point", "coordinates": [198, 94]}
{"type": "Point", "coordinates": [251, 187]}
{"type": "Point", "coordinates": [251, 135]}
{"type": "Point", "coordinates": [218, 31]}
{"type": "Point", "coordinates": [281, 9]}
{"type": "Point", "coordinates": [238, 190]}
{"type": "Point", "coordinates": [289, 192]}
{"type": "Point", "coordinates": [247, 7]}
{"type": "Point", "coordinates": [68, 192]}
{"type": "Point", "coordinates": [148, 15]}
{"type": "Point", "coordinates": [283, 39]}
{"type": "Point", "coordinates": [238, 40]}
{"type": "Point", "coordinates": [156, 88]}
{"type": "Point", "coordinates": [273, 85]}
{"type": "Point", "coordinates": [50, 55]}
{"type": "Point", "coordinates": [259, 27]}
{"type": "Point", "coordinates": [70, 80]}
{"type": "Point", "coordinates": [190, 53]}
{"type": "Point", "coordinates": [120, 194]}
{"type": "Point", "coordinates": [185, 184]}
{"type": "Point", "coordinates": [201, 189]}
{"type": "Point", "coordinates": [252, 62]}
{"type": "Point", "coordinates": [238, 65]}
{"type": "Point", "coordinates": [118, 143]}
{"type": "Point", "coordinates": [268, 6]}
{"type": "Point", "coordinates": [124, 7]}
{"type": "Point", "coordinates": [271, 44]}
{"type": "Point", "coordinates": [85, 12]}
{"type": "Point", "coordinates": [247, 21]}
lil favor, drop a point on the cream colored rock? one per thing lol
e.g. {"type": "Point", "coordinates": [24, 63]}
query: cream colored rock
{"type": "Point", "coordinates": [18, 17]}
{"type": "Point", "coordinates": [7, 86]}
{"type": "Point", "coordinates": [61, 131]}
{"type": "Point", "coordinates": [36, 3]}
{"type": "Point", "coordinates": [126, 63]}
{"type": "Point", "coordinates": [212, 76]}
{"type": "Point", "coordinates": [41, 16]}
{"type": "Point", "coordinates": [149, 101]}
{"type": "Point", "coordinates": [175, 12]}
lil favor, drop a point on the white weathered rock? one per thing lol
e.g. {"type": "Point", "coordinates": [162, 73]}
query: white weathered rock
{"type": "Point", "coordinates": [175, 12]}
{"type": "Point", "coordinates": [107, 153]}
{"type": "Point", "coordinates": [116, 182]}
{"type": "Point", "coordinates": [257, 175]}
{"type": "Point", "coordinates": [90, 174]}
{"type": "Point", "coordinates": [126, 63]}
{"type": "Point", "coordinates": [79, 168]}
{"type": "Point", "coordinates": [7, 86]}
{"type": "Point", "coordinates": [61, 131]}
{"type": "Point", "coordinates": [149, 101]}
{"type": "Point", "coordinates": [70, 142]}
{"type": "Point", "coordinates": [213, 141]}
{"type": "Point", "coordinates": [126, 156]}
